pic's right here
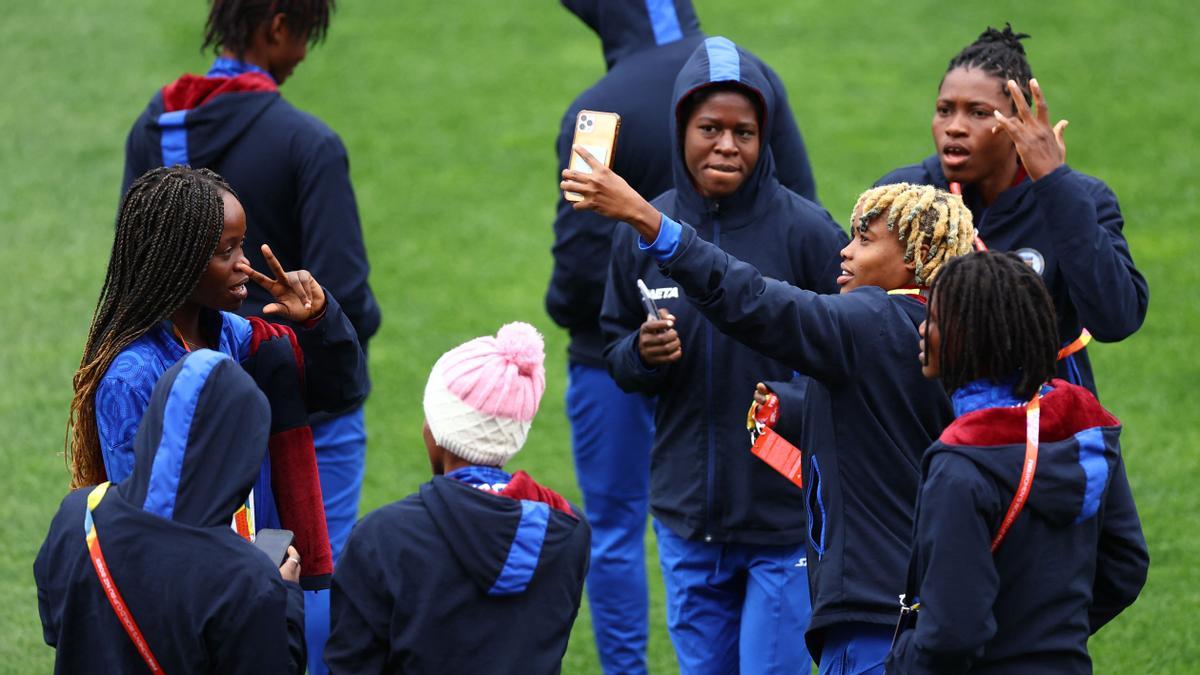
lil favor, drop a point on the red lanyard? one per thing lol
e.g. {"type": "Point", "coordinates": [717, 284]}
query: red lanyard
{"type": "Point", "coordinates": [1033, 415]}
{"type": "Point", "coordinates": [110, 587]}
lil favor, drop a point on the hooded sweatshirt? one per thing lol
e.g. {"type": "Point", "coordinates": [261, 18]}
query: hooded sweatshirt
{"type": "Point", "coordinates": [705, 483]}
{"type": "Point", "coordinates": [204, 598]}
{"type": "Point", "coordinates": [1073, 559]}
{"type": "Point", "coordinates": [459, 579]}
{"type": "Point", "coordinates": [289, 169]}
{"type": "Point", "coordinates": [1068, 227]}
{"type": "Point", "coordinates": [645, 44]}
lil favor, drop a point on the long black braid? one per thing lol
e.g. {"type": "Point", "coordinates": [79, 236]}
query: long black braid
{"type": "Point", "coordinates": [996, 319]}
{"type": "Point", "coordinates": [231, 23]}
{"type": "Point", "coordinates": [169, 225]}
{"type": "Point", "coordinates": [999, 53]}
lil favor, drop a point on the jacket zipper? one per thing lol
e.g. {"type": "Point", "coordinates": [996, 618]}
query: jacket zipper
{"type": "Point", "coordinates": [710, 493]}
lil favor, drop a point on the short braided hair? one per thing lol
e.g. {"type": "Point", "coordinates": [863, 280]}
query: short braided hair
{"type": "Point", "coordinates": [231, 23]}
{"type": "Point", "coordinates": [999, 53]}
{"type": "Point", "coordinates": [996, 320]}
{"type": "Point", "coordinates": [925, 219]}
{"type": "Point", "coordinates": [169, 225]}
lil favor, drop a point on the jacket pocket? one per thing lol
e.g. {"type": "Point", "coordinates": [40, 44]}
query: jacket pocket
{"type": "Point", "coordinates": [816, 509]}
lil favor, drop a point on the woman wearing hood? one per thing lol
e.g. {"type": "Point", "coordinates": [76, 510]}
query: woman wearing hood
{"type": "Point", "coordinates": [157, 547]}
{"type": "Point", "coordinates": [730, 529]}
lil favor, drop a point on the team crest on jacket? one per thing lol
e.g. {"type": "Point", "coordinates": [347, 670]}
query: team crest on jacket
{"type": "Point", "coordinates": [668, 293]}
{"type": "Point", "coordinates": [1033, 258]}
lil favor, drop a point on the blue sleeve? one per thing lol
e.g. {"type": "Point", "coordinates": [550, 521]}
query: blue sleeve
{"type": "Point", "coordinates": [581, 240]}
{"type": "Point", "coordinates": [331, 238]}
{"type": "Point", "coordinates": [1122, 559]}
{"type": "Point", "coordinates": [666, 243]}
{"type": "Point", "coordinates": [959, 583]}
{"type": "Point", "coordinates": [119, 410]}
{"type": "Point", "coordinates": [818, 335]}
{"type": "Point", "coordinates": [1108, 292]}
{"type": "Point", "coordinates": [787, 145]}
{"type": "Point", "coordinates": [622, 316]}
{"type": "Point", "coordinates": [360, 609]}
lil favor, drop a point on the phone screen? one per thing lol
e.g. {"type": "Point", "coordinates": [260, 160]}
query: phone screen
{"type": "Point", "coordinates": [274, 543]}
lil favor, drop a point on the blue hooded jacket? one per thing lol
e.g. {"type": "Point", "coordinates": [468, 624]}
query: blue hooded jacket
{"type": "Point", "coordinates": [454, 579]}
{"type": "Point", "coordinates": [705, 483]}
{"type": "Point", "coordinates": [645, 44]}
{"type": "Point", "coordinates": [1068, 226]}
{"type": "Point", "coordinates": [206, 600]}
{"type": "Point", "coordinates": [1074, 558]}
{"type": "Point", "coordinates": [289, 169]}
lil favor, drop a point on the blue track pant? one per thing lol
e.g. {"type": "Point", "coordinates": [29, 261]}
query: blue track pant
{"type": "Point", "coordinates": [855, 649]}
{"type": "Point", "coordinates": [341, 444]}
{"type": "Point", "coordinates": [735, 607]}
{"type": "Point", "coordinates": [612, 433]}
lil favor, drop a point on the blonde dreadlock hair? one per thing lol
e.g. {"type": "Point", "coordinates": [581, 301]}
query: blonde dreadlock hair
{"type": "Point", "coordinates": [924, 218]}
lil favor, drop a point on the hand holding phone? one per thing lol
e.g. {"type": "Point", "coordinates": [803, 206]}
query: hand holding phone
{"type": "Point", "coordinates": [596, 132]}
{"type": "Point", "coordinates": [274, 543]}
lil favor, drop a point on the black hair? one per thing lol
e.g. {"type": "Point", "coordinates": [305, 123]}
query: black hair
{"type": "Point", "coordinates": [996, 319]}
{"type": "Point", "coordinates": [697, 97]}
{"type": "Point", "coordinates": [231, 23]}
{"type": "Point", "coordinates": [169, 226]}
{"type": "Point", "coordinates": [999, 53]}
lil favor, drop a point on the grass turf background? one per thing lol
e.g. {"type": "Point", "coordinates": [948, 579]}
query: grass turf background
{"type": "Point", "coordinates": [449, 112]}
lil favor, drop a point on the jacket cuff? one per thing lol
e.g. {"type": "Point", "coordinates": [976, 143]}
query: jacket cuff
{"type": "Point", "coordinates": [663, 248]}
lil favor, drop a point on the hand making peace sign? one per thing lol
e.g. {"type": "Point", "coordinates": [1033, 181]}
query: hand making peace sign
{"type": "Point", "coordinates": [298, 296]}
{"type": "Point", "coordinates": [1041, 147]}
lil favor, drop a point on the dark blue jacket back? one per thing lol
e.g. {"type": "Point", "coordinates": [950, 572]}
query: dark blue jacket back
{"type": "Point", "coordinates": [1073, 559]}
{"type": "Point", "coordinates": [457, 580]}
{"type": "Point", "coordinates": [705, 484]}
{"type": "Point", "coordinates": [645, 45]}
{"type": "Point", "coordinates": [291, 174]}
{"type": "Point", "coordinates": [206, 600]}
{"type": "Point", "coordinates": [861, 411]}
{"type": "Point", "coordinates": [1068, 226]}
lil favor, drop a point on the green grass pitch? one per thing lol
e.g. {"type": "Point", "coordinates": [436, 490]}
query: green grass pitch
{"type": "Point", "coordinates": [449, 111]}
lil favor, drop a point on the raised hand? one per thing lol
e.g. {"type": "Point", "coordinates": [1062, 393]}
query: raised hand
{"type": "Point", "coordinates": [609, 195]}
{"type": "Point", "coordinates": [658, 343]}
{"type": "Point", "coordinates": [298, 296]}
{"type": "Point", "coordinates": [1041, 147]}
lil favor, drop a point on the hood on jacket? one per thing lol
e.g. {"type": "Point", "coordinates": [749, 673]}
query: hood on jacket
{"type": "Point", "coordinates": [498, 540]}
{"type": "Point", "coordinates": [717, 61]}
{"type": "Point", "coordinates": [628, 26]}
{"type": "Point", "coordinates": [201, 442]}
{"type": "Point", "coordinates": [1078, 445]}
{"type": "Point", "coordinates": [195, 119]}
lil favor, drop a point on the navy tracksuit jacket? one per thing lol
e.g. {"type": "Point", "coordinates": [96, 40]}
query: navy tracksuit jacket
{"type": "Point", "coordinates": [206, 600]}
{"type": "Point", "coordinates": [1068, 225]}
{"type": "Point", "coordinates": [289, 169]}
{"type": "Point", "coordinates": [644, 51]}
{"type": "Point", "coordinates": [1074, 558]}
{"type": "Point", "coordinates": [705, 484]}
{"type": "Point", "coordinates": [454, 579]}
{"type": "Point", "coordinates": [861, 411]}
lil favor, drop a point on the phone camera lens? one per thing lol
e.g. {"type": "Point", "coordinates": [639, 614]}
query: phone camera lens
{"type": "Point", "coordinates": [582, 126]}
{"type": "Point", "coordinates": [589, 123]}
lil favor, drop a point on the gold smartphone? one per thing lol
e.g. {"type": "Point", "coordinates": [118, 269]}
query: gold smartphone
{"type": "Point", "coordinates": [596, 132]}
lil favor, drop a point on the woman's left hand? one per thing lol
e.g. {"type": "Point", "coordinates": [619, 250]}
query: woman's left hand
{"type": "Point", "coordinates": [298, 296]}
{"type": "Point", "coordinates": [609, 195]}
{"type": "Point", "coordinates": [1041, 147]}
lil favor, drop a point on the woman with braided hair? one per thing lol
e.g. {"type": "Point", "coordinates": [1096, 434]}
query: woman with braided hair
{"type": "Point", "coordinates": [1009, 164]}
{"type": "Point", "coordinates": [175, 275]}
{"type": "Point", "coordinates": [859, 406]}
{"type": "Point", "coordinates": [1026, 539]}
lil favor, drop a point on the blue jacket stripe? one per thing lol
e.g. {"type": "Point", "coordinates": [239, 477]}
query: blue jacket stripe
{"type": "Point", "coordinates": [723, 60]}
{"type": "Point", "coordinates": [664, 246]}
{"type": "Point", "coordinates": [177, 425]}
{"type": "Point", "coordinates": [664, 21]}
{"type": "Point", "coordinates": [526, 548]}
{"type": "Point", "coordinates": [174, 138]}
{"type": "Point", "coordinates": [1095, 468]}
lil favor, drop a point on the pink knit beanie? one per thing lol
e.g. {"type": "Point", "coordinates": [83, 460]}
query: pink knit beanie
{"type": "Point", "coordinates": [482, 395]}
